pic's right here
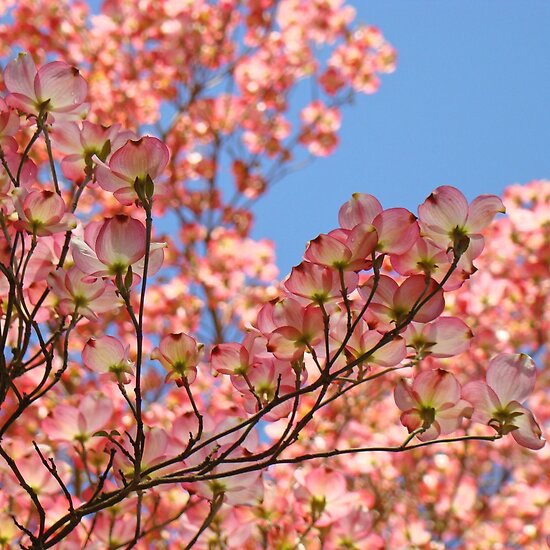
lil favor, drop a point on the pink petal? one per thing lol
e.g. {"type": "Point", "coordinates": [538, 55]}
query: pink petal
{"type": "Point", "coordinates": [362, 241]}
{"type": "Point", "coordinates": [108, 301]}
{"type": "Point", "coordinates": [96, 412]}
{"type": "Point", "coordinates": [19, 76]}
{"type": "Point", "coordinates": [125, 196]}
{"type": "Point", "coordinates": [137, 159]}
{"type": "Point", "coordinates": [433, 432]}
{"type": "Point", "coordinates": [388, 355]}
{"type": "Point", "coordinates": [285, 344]}
{"type": "Point", "coordinates": [482, 211]}
{"type": "Point", "coordinates": [385, 289]}
{"type": "Point", "coordinates": [326, 250]}
{"type": "Point", "coordinates": [62, 85]}
{"type": "Point", "coordinates": [451, 336]}
{"type": "Point", "coordinates": [85, 258]}
{"type": "Point", "coordinates": [110, 181]}
{"type": "Point", "coordinates": [450, 419]}
{"type": "Point", "coordinates": [326, 484]}
{"type": "Point", "coordinates": [397, 230]}
{"type": "Point", "coordinates": [229, 358]}
{"type": "Point", "coordinates": [475, 248]}
{"type": "Point", "coordinates": [528, 433]}
{"type": "Point", "coordinates": [91, 232]}
{"type": "Point", "coordinates": [156, 259]}
{"type": "Point", "coordinates": [511, 376]}
{"type": "Point", "coordinates": [66, 138]}
{"type": "Point", "coordinates": [155, 446]}
{"type": "Point", "coordinates": [413, 290]}
{"type": "Point", "coordinates": [9, 123]}
{"type": "Point", "coordinates": [404, 396]}
{"type": "Point", "coordinates": [361, 208]}
{"type": "Point", "coordinates": [412, 420]}
{"type": "Point", "coordinates": [73, 168]}
{"type": "Point", "coordinates": [312, 325]}
{"type": "Point", "coordinates": [21, 103]}
{"type": "Point", "coordinates": [483, 399]}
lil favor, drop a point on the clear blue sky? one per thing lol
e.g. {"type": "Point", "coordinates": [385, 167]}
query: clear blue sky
{"type": "Point", "coordinates": [467, 106]}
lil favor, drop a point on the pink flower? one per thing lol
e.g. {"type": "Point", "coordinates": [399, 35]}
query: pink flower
{"type": "Point", "coordinates": [238, 489]}
{"type": "Point", "coordinates": [433, 403]}
{"type": "Point", "coordinates": [363, 341]}
{"type": "Point", "coordinates": [69, 423]}
{"type": "Point", "coordinates": [81, 145]}
{"type": "Point", "coordinates": [111, 247]}
{"type": "Point", "coordinates": [179, 355]}
{"type": "Point", "coordinates": [107, 355]}
{"type": "Point", "coordinates": [55, 88]}
{"type": "Point", "coordinates": [42, 212]}
{"type": "Point", "coordinates": [393, 303]}
{"type": "Point", "coordinates": [80, 293]}
{"type": "Point", "coordinates": [27, 177]}
{"type": "Point", "coordinates": [320, 124]}
{"type": "Point", "coordinates": [397, 228]}
{"type": "Point", "coordinates": [265, 381]}
{"type": "Point", "coordinates": [156, 449]}
{"type": "Point", "coordinates": [497, 402]}
{"type": "Point", "coordinates": [425, 257]}
{"type": "Point", "coordinates": [344, 249]}
{"type": "Point", "coordinates": [137, 162]}
{"type": "Point", "coordinates": [444, 337]}
{"type": "Point", "coordinates": [301, 329]}
{"type": "Point", "coordinates": [317, 283]}
{"type": "Point", "coordinates": [325, 493]}
{"type": "Point", "coordinates": [235, 359]}
{"type": "Point", "coordinates": [447, 219]}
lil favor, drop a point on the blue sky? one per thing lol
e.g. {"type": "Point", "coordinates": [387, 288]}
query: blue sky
{"type": "Point", "coordinates": [467, 106]}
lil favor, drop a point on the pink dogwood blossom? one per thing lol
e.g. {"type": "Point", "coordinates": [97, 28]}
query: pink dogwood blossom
{"type": "Point", "coordinates": [55, 88]}
{"type": "Point", "coordinates": [111, 247]}
{"type": "Point", "coordinates": [78, 292]}
{"type": "Point", "coordinates": [179, 354]}
{"type": "Point", "coordinates": [432, 403]}
{"type": "Point", "coordinates": [498, 401]}
{"type": "Point", "coordinates": [106, 354]}
{"type": "Point", "coordinates": [447, 219]}
{"type": "Point", "coordinates": [135, 163]}
{"type": "Point", "coordinates": [42, 212]}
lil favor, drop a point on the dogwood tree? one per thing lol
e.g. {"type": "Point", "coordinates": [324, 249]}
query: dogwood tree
{"type": "Point", "coordinates": [159, 388]}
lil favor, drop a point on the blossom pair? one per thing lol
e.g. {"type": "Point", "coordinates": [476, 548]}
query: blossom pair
{"type": "Point", "coordinates": [434, 404]}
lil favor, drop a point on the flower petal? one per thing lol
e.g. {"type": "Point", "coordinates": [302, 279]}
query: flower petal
{"type": "Point", "coordinates": [483, 399]}
{"type": "Point", "coordinates": [528, 433]}
{"type": "Point", "coordinates": [511, 376]}
{"type": "Point", "coordinates": [482, 211]}
{"type": "Point", "coordinates": [19, 75]}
